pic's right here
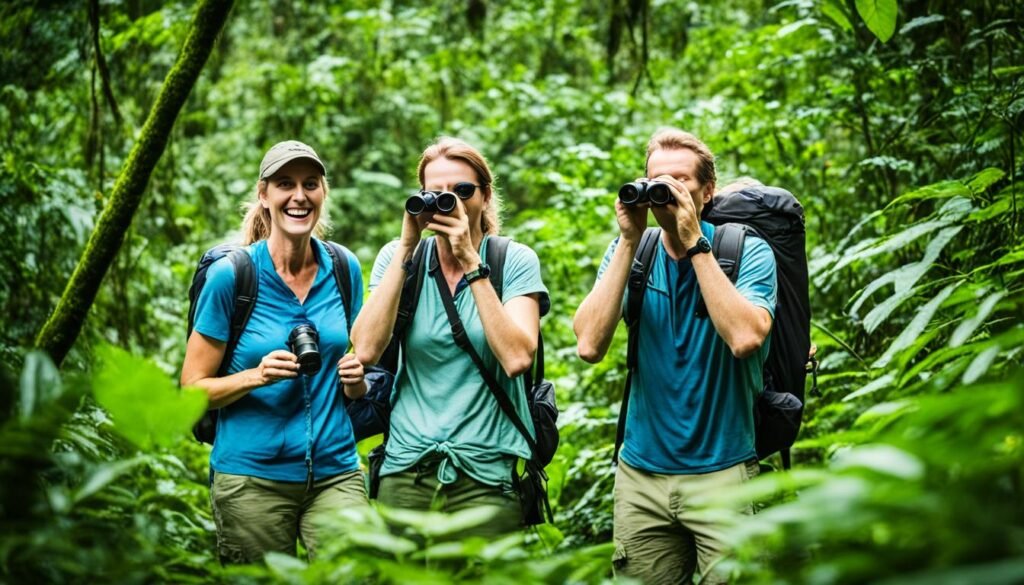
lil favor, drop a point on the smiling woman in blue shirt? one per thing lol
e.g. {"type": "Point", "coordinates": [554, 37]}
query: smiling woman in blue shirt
{"type": "Point", "coordinates": [284, 452]}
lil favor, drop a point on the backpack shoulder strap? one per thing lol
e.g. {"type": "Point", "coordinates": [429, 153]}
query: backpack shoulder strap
{"type": "Point", "coordinates": [342, 277]}
{"type": "Point", "coordinates": [246, 289]}
{"type": "Point", "coordinates": [636, 285]}
{"type": "Point", "coordinates": [727, 248]}
{"type": "Point", "coordinates": [415, 269]}
{"type": "Point", "coordinates": [497, 249]}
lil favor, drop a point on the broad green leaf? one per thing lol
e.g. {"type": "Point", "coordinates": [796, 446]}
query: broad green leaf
{"type": "Point", "coordinates": [921, 21]}
{"type": "Point", "coordinates": [880, 16]}
{"type": "Point", "coordinates": [873, 386]}
{"type": "Point", "coordinates": [980, 182]}
{"type": "Point", "coordinates": [794, 26]}
{"type": "Point", "coordinates": [981, 364]}
{"type": "Point", "coordinates": [916, 327]}
{"type": "Point", "coordinates": [104, 475]}
{"type": "Point", "coordinates": [147, 408]}
{"type": "Point", "coordinates": [967, 327]}
{"type": "Point", "coordinates": [833, 10]}
{"type": "Point", "coordinates": [906, 277]}
{"type": "Point", "coordinates": [941, 190]}
{"type": "Point", "coordinates": [882, 459]}
{"type": "Point", "coordinates": [40, 383]}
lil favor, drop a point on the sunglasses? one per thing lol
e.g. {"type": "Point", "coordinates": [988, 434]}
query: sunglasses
{"type": "Point", "coordinates": [464, 190]}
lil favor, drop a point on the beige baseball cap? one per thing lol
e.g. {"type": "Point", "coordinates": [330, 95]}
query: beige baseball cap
{"type": "Point", "coordinates": [284, 152]}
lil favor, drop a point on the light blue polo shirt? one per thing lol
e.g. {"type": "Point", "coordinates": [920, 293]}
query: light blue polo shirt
{"type": "Point", "coordinates": [443, 406]}
{"type": "Point", "coordinates": [268, 432]}
{"type": "Point", "coordinates": [691, 402]}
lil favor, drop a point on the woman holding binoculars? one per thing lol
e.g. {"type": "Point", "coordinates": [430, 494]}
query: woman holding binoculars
{"type": "Point", "coordinates": [451, 447]}
{"type": "Point", "coordinates": [284, 452]}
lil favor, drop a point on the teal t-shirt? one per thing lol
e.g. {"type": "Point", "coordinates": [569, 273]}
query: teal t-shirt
{"type": "Point", "coordinates": [441, 404]}
{"type": "Point", "coordinates": [269, 432]}
{"type": "Point", "coordinates": [691, 402]}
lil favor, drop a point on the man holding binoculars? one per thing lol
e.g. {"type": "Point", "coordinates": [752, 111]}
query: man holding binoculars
{"type": "Point", "coordinates": [689, 429]}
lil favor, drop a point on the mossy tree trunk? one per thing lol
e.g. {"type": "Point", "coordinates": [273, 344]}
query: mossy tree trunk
{"type": "Point", "coordinates": [60, 331]}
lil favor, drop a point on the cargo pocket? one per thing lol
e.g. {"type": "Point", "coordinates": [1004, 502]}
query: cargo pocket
{"type": "Point", "coordinates": [619, 558]}
{"type": "Point", "coordinates": [751, 469]}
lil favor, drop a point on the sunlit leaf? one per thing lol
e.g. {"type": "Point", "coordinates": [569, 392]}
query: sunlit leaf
{"type": "Point", "coordinates": [834, 11]}
{"type": "Point", "coordinates": [980, 182]}
{"type": "Point", "coordinates": [916, 326]}
{"type": "Point", "coordinates": [882, 459]}
{"type": "Point", "coordinates": [981, 364]}
{"type": "Point", "coordinates": [968, 326]}
{"type": "Point", "coordinates": [880, 16]}
{"type": "Point", "coordinates": [146, 406]}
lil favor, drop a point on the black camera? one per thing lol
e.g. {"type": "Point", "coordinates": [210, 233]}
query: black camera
{"type": "Point", "coordinates": [653, 192]}
{"type": "Point", "coordinates": [430, 201]}
{"type": "Point", "coordinates": [304, 343]}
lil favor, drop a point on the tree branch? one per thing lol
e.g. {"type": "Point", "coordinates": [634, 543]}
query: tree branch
{"type": "Point", "coordinates": [60, 331]}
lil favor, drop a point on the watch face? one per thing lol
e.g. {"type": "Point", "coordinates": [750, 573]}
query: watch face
{"type": "Point", "coordinates": [705, 245]}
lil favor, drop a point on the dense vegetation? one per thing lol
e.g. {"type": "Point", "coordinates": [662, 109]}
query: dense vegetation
{"type": "Point", "coordinates": [900, 130]}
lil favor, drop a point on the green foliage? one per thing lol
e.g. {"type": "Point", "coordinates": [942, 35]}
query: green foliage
{"type": "Point", "coordinates": [879, 16]}
{"type": "Point", "coordinates": [903, 144]}
{"type": "Point", "coordinates": [122, 384]}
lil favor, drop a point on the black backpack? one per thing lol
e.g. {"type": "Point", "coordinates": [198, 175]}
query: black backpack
{"type": "Point", "coordinates": [540, 392]}
{"type": "Point", "coordinates": [246, 289]}
{"type": "Point", "coordinates": [774, 215]}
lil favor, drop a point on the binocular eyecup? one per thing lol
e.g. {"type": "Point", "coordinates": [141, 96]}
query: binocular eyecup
{"type": "Point", "coordinates": [431, 201]}
{"type": "Point", "coordinates": [653, 192]}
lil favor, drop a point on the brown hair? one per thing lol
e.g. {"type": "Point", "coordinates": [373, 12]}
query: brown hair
{"type": "Point", "coordinates": [455, 149]}
{"type": "Point", "coordinates": [676, 139]}
{"type": "Point", "coordinates": [256, 225]}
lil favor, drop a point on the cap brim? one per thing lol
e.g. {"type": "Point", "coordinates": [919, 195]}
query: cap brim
{"type": "Point", "coordinates": [276, 165]}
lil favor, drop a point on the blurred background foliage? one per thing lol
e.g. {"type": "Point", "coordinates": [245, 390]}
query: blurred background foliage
{"type": "Point", "coordinates": [905, 154]}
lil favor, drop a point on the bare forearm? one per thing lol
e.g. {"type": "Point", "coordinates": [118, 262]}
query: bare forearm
{"type": "Point", "coordinates": [372, 330]}
{"type": "Point", "coordinates": [741, 324]}
{"type": "Point", "coordinates": [599, 313]}
{"type": "Point", "coordinates": [512, 343]}
{"type": "Point", "coordinates": [225, 390]}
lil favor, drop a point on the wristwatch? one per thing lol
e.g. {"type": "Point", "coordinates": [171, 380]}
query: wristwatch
{"type": "Point", "coordinates": [703, 246]}
{"type": "Point", "coordinates": [482, 271]}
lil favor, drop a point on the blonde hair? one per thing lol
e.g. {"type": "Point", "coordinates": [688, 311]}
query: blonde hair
{"type": "Point", "coordinates": [256, 224]}
{"type": "Point", "coordinates": [676, 139]}
{"type": "Point", "coordinates": [459, 150]}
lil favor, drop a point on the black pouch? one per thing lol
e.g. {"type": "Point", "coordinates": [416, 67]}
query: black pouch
{"type": "Point", "coordinates": [544, 413]}
{"type": "Point", "coordinates": [376, 460]}
{"type": "Point", "coordinates": [532, 487]}
{"type": "Point", "coordinates": [777, 417]}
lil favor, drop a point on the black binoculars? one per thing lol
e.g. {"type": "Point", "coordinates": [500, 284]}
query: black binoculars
{"type": "Point", "coordinates": [430, 201]}
{"type": "Point", "coordinates": [304, 343]}
{"type": "Point", "coordinates": [653, 192]}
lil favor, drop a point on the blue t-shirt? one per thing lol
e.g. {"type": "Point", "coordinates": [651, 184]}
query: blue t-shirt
{"type": "Point", "coordinates": [269, 432]}
{"type": "Point", "coordinates": [691, 402]}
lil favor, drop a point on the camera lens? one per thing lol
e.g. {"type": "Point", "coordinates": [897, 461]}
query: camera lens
{"type": "Point", "coordinates": [631, 193]}
{"type": "Point", "coordinates": [303, 342]}
{"type": "Point", "coordinates": [445, 202]}
{"type": "Point", "coordinates": [659, 194]}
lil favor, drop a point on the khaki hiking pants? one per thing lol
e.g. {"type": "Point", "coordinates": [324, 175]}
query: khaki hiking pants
{"type": "Point", "coordinates": [256, 516]}
{"type": "Point", "coordinates": [658, 536]}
